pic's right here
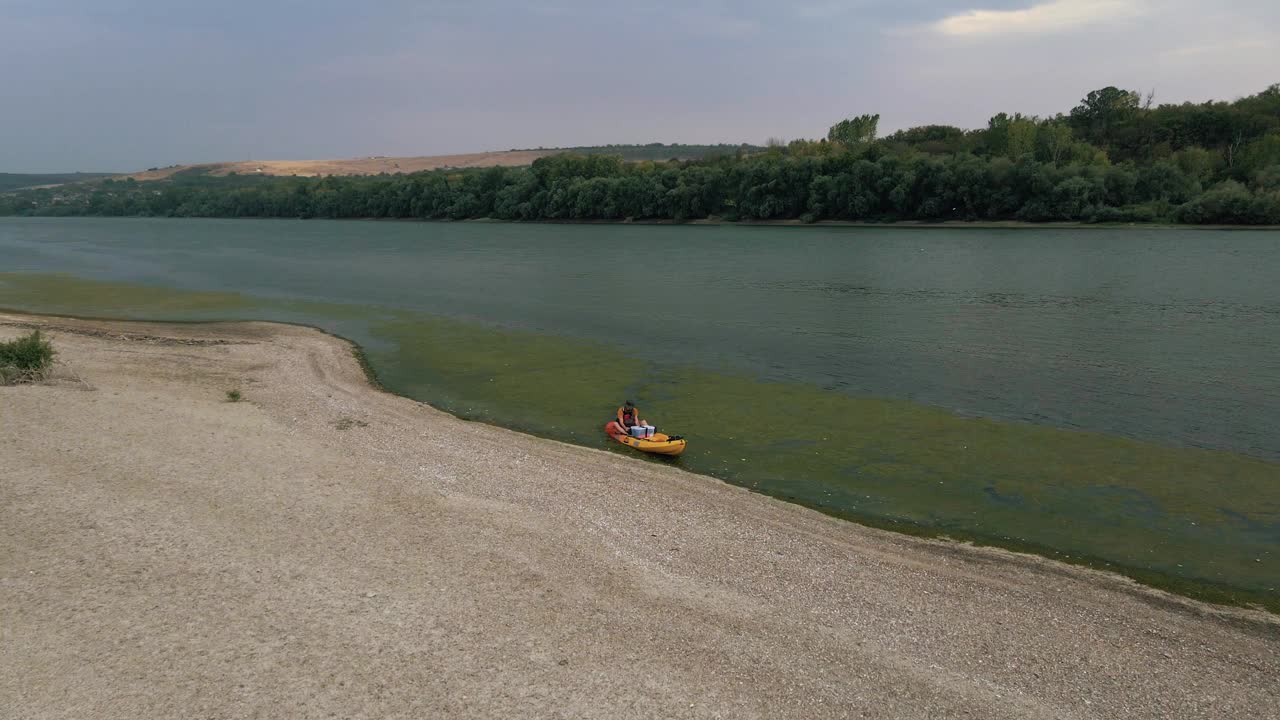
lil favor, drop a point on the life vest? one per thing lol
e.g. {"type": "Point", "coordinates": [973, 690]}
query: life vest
{"type": "Point", "coordinates": [628, 417]}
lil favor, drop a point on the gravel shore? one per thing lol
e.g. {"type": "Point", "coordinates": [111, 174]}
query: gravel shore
{"type": "Point", "coordinates": [325, 549]}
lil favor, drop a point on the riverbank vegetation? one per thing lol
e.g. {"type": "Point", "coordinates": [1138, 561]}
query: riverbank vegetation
{"type": "Point", "coordinates": [25, 359]}
{"type": "Point", "coordinates": [1116, 157]}
{"type": "Point", "coordinates": [655, 151]}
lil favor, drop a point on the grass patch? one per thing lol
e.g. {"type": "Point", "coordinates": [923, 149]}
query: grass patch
{"type": "Point", "coordinates": [347, 423]}
{"type": "Point", "coordinates": [26, 359]}
{"type": "Point", "coordinates": [234, 396]}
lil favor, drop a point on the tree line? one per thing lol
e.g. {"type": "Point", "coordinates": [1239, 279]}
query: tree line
{"type": "Point", "coordinates": [655, 151]}
{"type": "Point", "coordinates": [1115, 157]}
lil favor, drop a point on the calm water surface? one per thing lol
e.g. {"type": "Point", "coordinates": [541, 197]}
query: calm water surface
{"type": "Point", "coordinates": [1166, 337]}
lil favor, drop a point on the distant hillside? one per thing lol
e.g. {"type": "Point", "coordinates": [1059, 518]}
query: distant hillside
{"type": "Point", "coordinates": [379, 164]}
{"type": "Point", "coordinates": [16, 181]}
{"type": "Point", "coordinates": [373, 165]}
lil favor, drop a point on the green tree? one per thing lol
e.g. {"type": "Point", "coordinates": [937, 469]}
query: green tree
{"type": "Point", "coordinates": [1054, 141]}
{"type": "Point", "coordinates": [1258, 156]}
{"type": "Point", "coordinates": [1011, 136]}
{"type": "Point", "coordinates": [856, 130]}
{"type": "Point", "coordinates": [1022, 138]}
{"type": "Point", "coordinates": [1102, 112]}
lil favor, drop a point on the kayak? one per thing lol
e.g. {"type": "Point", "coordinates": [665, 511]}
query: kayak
{"type": "Point", "coordinates": [659, 444]}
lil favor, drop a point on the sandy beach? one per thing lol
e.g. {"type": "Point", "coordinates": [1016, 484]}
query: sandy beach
{"type": "Point", "coordinates": [325, 549]}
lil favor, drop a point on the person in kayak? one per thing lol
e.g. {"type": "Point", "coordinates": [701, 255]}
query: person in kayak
{"type": "Point", "coordinates": [629, 419]}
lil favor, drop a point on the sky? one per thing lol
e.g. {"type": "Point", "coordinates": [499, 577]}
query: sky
{"type": "Point", "coordinates": [121, 85]}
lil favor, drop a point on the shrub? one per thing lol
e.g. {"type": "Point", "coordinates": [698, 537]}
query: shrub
{"type": "Point", "coordinates": [1265, 209]}
{"type": "Point", "coordinates": [1227, 202]}
{"type": "Point", "coordinates": [233, 396]}
{"type": "Point", "coordinates": [1144, 213]}
{"type": "Point", "coordinates": [26, 359]}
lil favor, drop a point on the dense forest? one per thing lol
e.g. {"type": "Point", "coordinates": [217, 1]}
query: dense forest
{"type": "Point", "coordinates": [1115, 157]}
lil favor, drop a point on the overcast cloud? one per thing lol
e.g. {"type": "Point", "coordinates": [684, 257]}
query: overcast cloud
{"type": "Point", "coordinates": [128, 84]}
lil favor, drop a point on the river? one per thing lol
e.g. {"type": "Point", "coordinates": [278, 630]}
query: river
{"type": "Point", "coordinates": [1112, 394]}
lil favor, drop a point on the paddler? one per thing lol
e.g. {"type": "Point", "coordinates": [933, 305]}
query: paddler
{"type": "Point", "coordinates": [632, 424]}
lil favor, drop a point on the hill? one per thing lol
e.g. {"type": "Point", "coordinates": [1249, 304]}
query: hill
{"type": "Point", "coordinates": [18, 181]}
{"type": "Point", "coordinates": [380, 164]}
{"type": "Point", "coordinates": [374, 165]}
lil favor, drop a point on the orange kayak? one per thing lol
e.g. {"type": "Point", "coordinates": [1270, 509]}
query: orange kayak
{"type": "Point", "coordinates": [659, 444]}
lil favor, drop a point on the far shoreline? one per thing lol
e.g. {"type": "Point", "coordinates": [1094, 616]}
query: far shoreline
{"type": "Point", "coordinates": [897, 225]}
{"type": "Point", "coordinates": [715, 222]}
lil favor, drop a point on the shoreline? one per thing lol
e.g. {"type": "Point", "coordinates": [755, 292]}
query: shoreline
{"type": "Point", "coordinates": [709, 222]}
{"type": "Point", "coordinates": [338, 539]}
{"type": "Point", "coordinates": [1192, 588]}
{"type": "Point", "coordinates": [899, 224]}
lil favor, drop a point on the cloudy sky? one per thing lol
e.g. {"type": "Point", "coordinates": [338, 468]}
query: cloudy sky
{"type": "Point", "coordinates": [127, 84]}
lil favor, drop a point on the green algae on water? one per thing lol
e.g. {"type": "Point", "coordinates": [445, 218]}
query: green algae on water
{"type": "Point", "coordinates": [1182, 513]}
{"type": "Point", "coordinates": [68, 294]}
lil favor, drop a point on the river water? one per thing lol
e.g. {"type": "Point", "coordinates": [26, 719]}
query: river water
{"type": "Point", "coordinates": [1033, 387]}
